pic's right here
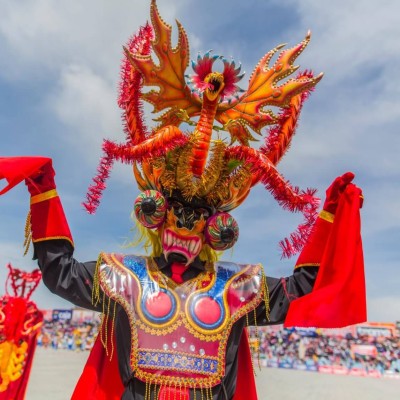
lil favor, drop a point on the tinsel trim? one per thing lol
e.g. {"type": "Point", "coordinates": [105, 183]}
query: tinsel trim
{"type": "Point", "coordinates": [130, 87]}
{"type": "Point", "coordinates": [288, 197]}
{"type": "Point", "coordinates": [279, 137]}
{"type": "Point", "coordinates": [158, 145]}
{"type": "Point", "coordinates": [96, 189]}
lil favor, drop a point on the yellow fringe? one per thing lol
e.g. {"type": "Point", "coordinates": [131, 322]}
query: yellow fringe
{"type": "Point", "coordinates": [28, 233]}
{"type": "Point", "coordinates": [251, 348]}
{"type": "Point", "coordinates": [265, 290]}
{"type": "Point", "coordinates": [96, 283]}
{"type": "Point", "coordinates": [258, 341]}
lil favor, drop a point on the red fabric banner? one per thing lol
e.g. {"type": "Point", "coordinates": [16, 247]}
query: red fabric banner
{"type": "Point", "coordinates": [16, 169]}
{"type": "Point", "coordinates": [338, 298]}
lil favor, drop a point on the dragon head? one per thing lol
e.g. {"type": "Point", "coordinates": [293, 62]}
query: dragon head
{"type": "Point", "coordinates": [215, 85]}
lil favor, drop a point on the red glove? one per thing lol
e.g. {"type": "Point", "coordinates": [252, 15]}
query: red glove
{"type": "Point", "coordinates": [335, 190]}
{"type": "Point", "coordinates": [41, 181]}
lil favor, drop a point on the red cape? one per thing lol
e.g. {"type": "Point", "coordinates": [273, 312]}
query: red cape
{"type": "Point", "coordinates": [338, 298]}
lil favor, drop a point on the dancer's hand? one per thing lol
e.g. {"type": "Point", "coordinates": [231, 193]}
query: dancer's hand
{"type": "Point", "coordinates": [42, 180]}
{"type": "Point", "coordinates": [334, 191]}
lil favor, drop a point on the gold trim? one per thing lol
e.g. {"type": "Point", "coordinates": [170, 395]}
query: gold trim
{"type": "Point", "coordinates": [53, 238]}
{"type": "Point", "coordinates": [114, 261]}
{"type": "Point", "coordinates": [307, 265]}
{"type": "Point", "coordinates": [327, 216]}
{"type": "Point", "coordinates": [228, 315]}
{"type": "Point", "coordinates": [44, 196]}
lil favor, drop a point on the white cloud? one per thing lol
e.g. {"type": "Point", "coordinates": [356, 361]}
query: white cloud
{"type": "Point", "coordinates": [86, 103]}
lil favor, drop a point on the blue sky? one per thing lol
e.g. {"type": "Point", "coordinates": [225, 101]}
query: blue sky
{"type": "Point", "coordinates": [59, 74]}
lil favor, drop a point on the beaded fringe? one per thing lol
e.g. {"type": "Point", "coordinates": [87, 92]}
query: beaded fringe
{"type": "Point", "coordinates": [153, 390]}
{"type": "Point", "coordinates": [106, 337]}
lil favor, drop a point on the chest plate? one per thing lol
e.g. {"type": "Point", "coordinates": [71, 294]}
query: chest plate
{"type": "Point", "coordinates": [180, 332]}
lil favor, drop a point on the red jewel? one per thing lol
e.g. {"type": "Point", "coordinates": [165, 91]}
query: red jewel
{"type": "Point", "coordinates": [158, 305]}
{"type": "Point", "coordinates": [207, 310]}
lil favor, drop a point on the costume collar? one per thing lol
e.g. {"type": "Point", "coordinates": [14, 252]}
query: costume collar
{"type": "Point", "coordinates": [163, 264]}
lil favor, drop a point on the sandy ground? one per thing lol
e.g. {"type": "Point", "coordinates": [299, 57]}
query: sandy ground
{"type": "Point", "coordinates": [54, 374]}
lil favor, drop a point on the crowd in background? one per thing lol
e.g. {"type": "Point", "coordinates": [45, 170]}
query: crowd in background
{"type": "Point", "coordinates": [347, 353]}
{"type": "Point", "coordinates": [272, 347]}
{"type": "Point", "coordinates": [68, 336]}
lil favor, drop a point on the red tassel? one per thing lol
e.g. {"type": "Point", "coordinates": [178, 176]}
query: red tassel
{"type": "Point", "coordinates": [158, 145]}
{"type": "Point", "coordinates": [95, 190]}
{"type": "Point", "coordinates": [130, 87]}
{"type": "Point", "coordinates": [288, 197]}
{"type": "Point", "coordinates": [278, 139]}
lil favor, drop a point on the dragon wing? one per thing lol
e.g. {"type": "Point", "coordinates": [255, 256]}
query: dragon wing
{"type": "Point", "coordinates": [264, 89]}
{"type": "Point", "coordinates": [169, 74]}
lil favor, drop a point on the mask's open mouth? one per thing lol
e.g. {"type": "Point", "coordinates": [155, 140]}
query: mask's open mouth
{"type": "Point", "coordinates": [215, 85]}
{"type": "Point", "coordinates": [189, 246]}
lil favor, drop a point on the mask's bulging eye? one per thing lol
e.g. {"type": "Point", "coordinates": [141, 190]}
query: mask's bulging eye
{"type": "Point", "coordinates": [150, 208]}
{"type": "Point", "coordinates": [222, 231]}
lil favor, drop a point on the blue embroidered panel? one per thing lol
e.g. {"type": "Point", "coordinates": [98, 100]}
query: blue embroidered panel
{"type": "Point", "coordinates": [168, 360]}
{"type": "Point", "coordinates": [137, 265]}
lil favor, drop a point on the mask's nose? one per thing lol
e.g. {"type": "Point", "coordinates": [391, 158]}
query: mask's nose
{"type": "Point", "coordinates": [186, 217]}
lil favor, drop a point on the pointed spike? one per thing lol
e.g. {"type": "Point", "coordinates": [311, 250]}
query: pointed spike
{"type": "Point", "coordinates": [308, 35]}
{"type": "Point", "coordinates": [318, 77]}
{"type": "Point", "coordinates": [215, 57]}
{"type": "Point", "coordinates": [193, 65]}
{"type": "Point", "coordinates": [280, 46]}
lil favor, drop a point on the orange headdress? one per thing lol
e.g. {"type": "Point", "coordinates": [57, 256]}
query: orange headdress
{"type": "Point", "coordinates": [222, 173]}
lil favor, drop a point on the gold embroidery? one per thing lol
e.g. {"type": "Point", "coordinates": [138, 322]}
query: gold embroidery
{"type": "Point", "coordinates": [12, 362]}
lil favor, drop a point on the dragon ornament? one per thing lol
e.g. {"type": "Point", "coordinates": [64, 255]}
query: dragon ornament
{"type": "Point", "coordinates": [194, 163]}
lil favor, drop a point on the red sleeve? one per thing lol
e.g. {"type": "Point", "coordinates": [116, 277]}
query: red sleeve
{"type": "Point", "coordinates": [48, 219]}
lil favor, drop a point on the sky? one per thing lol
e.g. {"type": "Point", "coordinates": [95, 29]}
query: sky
{"type": "Point", "coordinates": [59, 78]}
